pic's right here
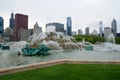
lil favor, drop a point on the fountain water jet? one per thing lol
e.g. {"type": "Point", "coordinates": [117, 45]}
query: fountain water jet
{"type": "Point", "coordinates": [54, 40]}
{"type": "Point", "coordinates": [111, 38]}
{"type": "Point", "coordinates": [60, 45]}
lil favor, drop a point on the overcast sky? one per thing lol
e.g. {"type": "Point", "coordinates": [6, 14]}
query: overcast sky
{"type": "Point", "coordinates": [84, 13]}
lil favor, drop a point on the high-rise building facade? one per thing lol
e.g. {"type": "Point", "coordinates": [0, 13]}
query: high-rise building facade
{"type": "Point", "coordinates": [21, 21]}
{"type": "Point", "coordinates": [94, 32]}
{"type": "Point", "coordinates": [12, 21]}
{"type": "Point", "coordinates": [24, 34]}
{"type": "Point", "coordinates": [37, 28]}
{"type": "Point", "coordinates": [69, 26]}
{"type": "Point", "coordinates": [73, 33]}
{"type": "Point", "coordinates": [1, 25]}
{"type": "Point", "coordinates": [55, 27]}
{"type": "Point", "coordinates": [107, 32]}
{"type": "Point", "coordinates": [114, 27]}
{"type": "Point", "coordinates": [80, 32]}
{"type": "Point", "coordinates": [101, 29]}
{"type": "Point", "coordinates": [8, 31]}
{"type": "Point", "coordinates": [87, 32]}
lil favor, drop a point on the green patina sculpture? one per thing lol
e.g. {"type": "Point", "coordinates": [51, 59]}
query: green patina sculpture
{"type": "Point", "coordinates": [4, 47]}
{"type": "Point", "coordinates": [40, 50]}
{"type": "Point", "coordinates": [89, 47]}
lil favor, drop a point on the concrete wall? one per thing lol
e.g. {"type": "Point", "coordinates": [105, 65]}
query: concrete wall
{"type": "Point", "coordinates": [14, 69]}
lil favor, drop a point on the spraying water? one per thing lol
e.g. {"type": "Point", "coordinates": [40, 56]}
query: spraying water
{"type": "Point", "coordinates": [63, 47]}
{"type": "Point", "coordinates": [111, 38]}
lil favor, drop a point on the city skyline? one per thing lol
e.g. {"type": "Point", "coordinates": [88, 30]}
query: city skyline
{"type": "Point", "coordinates": [84, 13]}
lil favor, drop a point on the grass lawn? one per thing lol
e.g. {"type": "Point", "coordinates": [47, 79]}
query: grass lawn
{"type": "Point", "coordinates": [69, 72]}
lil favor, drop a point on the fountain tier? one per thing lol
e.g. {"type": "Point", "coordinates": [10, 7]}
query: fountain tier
{"type": "Point", "coordinates": [54, 41]}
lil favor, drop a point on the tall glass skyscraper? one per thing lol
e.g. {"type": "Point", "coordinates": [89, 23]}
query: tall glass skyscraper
{"type": "Point", "coordinates": [1, 25]}
{"type": "Point", "coordinates": [69, 26]}
{"type": "Point", "coordinates": [101, 28]}
{"type": "Point", "coordinates": [114, 27]}
{"type": "Point", "coordinates": [12, 21]}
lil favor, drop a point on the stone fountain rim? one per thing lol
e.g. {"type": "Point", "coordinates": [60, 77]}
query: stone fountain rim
{"type": "Point", "coordinates": [15, 69]}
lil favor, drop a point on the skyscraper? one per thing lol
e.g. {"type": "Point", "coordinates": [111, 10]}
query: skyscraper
{"type": "Point", "coordinates": [87, 32]}
{"type": "Point", "coordinates": [69, 26]}
{"type": "Point", "coordinates": [114, 27]}
{"type": "Point", "coordinates": [55, 26]}
{"type": "Point", "coordinates": [80, 32]}
{"type": "Point", "coordinates": [1, 25]}
{"type": "Point", "coordinates": [107, 32]}
{"type": "Point", "coordinates": [12, 20]}
{"type": "Point", "coordinates": [101, 28]}
{"type": "Point", "coordinates": [94, 32]}
{"type": "Point", "coordinates": [21, 21]}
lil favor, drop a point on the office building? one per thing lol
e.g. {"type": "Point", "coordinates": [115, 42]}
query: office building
{"type": "Point", "coordinates": [100, 29]}
{"type": "Point", "coordinates": [24, 34]}
{"type": "Point", "coordinates": [69, 26]}
{"type": "Point", "coordinates": [94, 32]}
{"type": "Point", "coordinates": [21, 21]}
{"type": "Point", "coordinates": [55, 27]}
{"type": "Point", "coordinates": [37, 28]}
{"type": "Point", "coordinates": [114, 27]}
{"type": "Point", "coordinates": [1, 25]}
{"type": "Point", "coordinates": [87, 32]}
{"type": "Point", "coordinates": [80, 32]}
{"type": "Point", "coordinates": [73, 33]}
{"type": "Point", "coordinates": [12, 21]}
{"type": "Point", "coordinates": [8, 31]}
{"type": "Point", "coordinates": [107, 32]}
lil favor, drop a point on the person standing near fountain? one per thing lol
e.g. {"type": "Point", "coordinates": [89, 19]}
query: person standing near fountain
{"type": "Point", "coordinates": [19, 53]}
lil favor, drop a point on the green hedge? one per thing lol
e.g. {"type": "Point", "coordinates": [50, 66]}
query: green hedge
{"type": "Point", "coordinates": [92, 39]}
{"type": "Point", "coordinates": [117, 40]}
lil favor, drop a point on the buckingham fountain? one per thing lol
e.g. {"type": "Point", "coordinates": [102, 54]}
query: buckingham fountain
{"type": "Point", "coordinates": [43, 42]}
{"type": "Point", "coordinates": [59, 46]}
